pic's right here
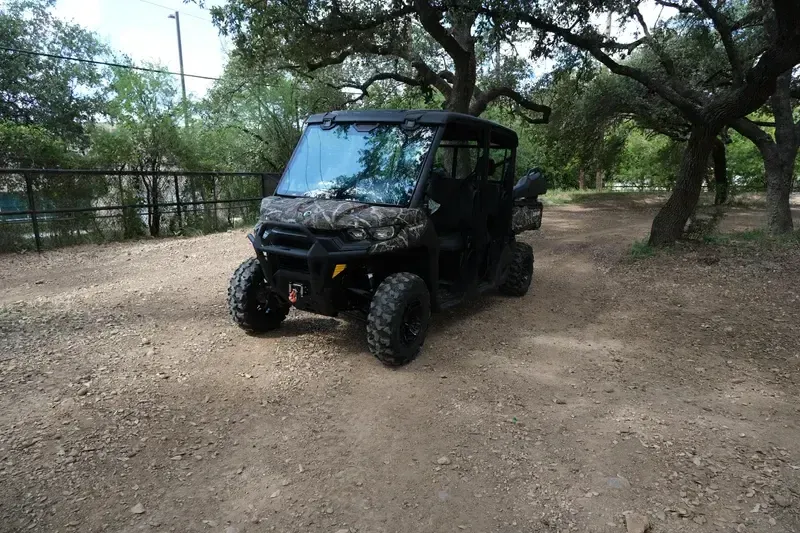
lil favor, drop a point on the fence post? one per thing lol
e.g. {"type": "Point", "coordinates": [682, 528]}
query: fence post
{"type": "Point", "coordinates": [122, 205]}
{"type": "Point", "coordinates": [214, 195]}
{"type": "Point", "coordinates": [263, 185]}
{"type": "Point", "coordinates": [32, 209]}
{"type": "Point", "coordinates": [178, 203]}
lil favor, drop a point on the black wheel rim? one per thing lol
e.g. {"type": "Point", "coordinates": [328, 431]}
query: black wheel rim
{"type": "Point", "coordinates": [411, 326]}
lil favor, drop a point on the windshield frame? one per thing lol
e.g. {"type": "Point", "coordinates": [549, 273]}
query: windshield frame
{"type": "Point", "coordinates": [415, 198]}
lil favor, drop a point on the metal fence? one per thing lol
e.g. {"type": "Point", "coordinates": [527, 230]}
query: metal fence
{"type": "Point", "coordinates": [48, 208]}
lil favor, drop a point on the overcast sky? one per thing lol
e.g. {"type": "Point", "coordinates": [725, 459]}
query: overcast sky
{"type": "Point", "coordinates": [143, 31]}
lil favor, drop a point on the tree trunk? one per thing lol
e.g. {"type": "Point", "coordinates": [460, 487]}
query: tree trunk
{"type": "Point", "coordinates": [779, 161]}
{"type": "Point", "coordinates": [670, 221]}
{"type": "Point", "coordinates": [779, 177]}
{"type": "Point", "coordinates": [720, 173]}
{"type": "Point", "coordinates": [598, 180]}
{"type": "Point", "coordinates": [465, 66]}
{"type": "Point", "coordinates": [582, 179]}
{"type": "Point", "coordinates": [463, 88]}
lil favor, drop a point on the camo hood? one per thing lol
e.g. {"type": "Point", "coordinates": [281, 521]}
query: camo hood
{"type": "Point", "coordinates": [342, 214]}
{"type": "Point", "coordinates": [335, 214]}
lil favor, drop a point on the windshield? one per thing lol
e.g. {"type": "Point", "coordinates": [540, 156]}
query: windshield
{"type": "Point", "coordinates": [370, 163]}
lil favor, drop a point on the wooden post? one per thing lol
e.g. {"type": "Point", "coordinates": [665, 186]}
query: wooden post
{"type": "Point", "coordinates": [598, 180]}
{"type": "Point", "coordinates": [582, 179]}
{"type": "Point", "coordinates": [32, 209]}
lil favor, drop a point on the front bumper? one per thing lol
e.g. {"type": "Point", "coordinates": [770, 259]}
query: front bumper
{"type": "Point", "coordinates": [294, 256]}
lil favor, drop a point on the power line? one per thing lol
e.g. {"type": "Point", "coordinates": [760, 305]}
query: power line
{"type": "Point", "coordinates": [105, 63]}
{"type": "Point", "coordinates": [172, 9]}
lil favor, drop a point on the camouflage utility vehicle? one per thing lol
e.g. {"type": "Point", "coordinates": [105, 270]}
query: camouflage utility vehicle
{"type": "Point", "coordinates": [390, 215]}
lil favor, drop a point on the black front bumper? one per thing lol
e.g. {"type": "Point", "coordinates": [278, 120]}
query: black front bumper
{"type": "Point", "coordinates": [294, 256]}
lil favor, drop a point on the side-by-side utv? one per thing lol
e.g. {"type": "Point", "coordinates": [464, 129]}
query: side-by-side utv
{"type": "Point", "coordinates": [390, 215]}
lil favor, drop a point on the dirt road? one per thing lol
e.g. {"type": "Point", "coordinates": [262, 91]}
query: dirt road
{"type": "Point", "coordinates": [666, 386]}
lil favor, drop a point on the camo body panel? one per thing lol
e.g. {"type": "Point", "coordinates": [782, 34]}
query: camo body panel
{"type": "Point", "coordinates": [342, 214]}
{"type": "Point", "coordinates": [525, 218]}
{"type": "Point", "coordinates": [407, 237]}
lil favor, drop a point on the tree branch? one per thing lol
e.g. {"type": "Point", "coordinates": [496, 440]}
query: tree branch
{"type": "Point", "coordinates": [381, 76]}
{"type": "Point", "coordinates": [665, 60]}
{"type": "Point", "coordinates": [429, 18]}
{"type": "Point", "coordinates": [760, 81]}
{"type": "Point", "coordinates": [686, 10]}
{"type": "Point", "coordinates": [594, 46]}
{"type": "Point", "coordinates": [430, 77]}
{"type": "Point", "coordinates": [339, 22]}
{"type": "Point", "coordinates": [447, 76]}
{"type": "Point", "coordinates": [333, 60]}
{"type": "Point", "coordinates": [481, 103]}
{"type": "Point", "coordinates": [747, 20]}
{"type": "Point", "coordinates": [749, 129]}
{"type": "Point", "coordinates": [720, 22]}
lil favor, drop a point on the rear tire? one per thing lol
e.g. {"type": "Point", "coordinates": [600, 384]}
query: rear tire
{"type": "Point", "coordinates": [250, 303]}
{"type": "Point", "coordinates": [398, 319]}
{"type": "Point", "coordinates": [520, 271]}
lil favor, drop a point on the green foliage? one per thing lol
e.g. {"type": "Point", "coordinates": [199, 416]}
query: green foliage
{"type": "Point", "coordinates": [58, 97]}
{"type": "Point", "coordinates": [31, 146]}
{"type": "Point", "coordinates": [745, 164]}
{"type": "Point", "coordinates": [254, 119]}
{"type": "Point", "coordinates": [559, 196]}
{"type": "Point", "coordinates": [648, 160]}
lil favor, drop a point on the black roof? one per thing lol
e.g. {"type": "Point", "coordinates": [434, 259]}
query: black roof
{"type": "Point", "coordinates": [428, 117]}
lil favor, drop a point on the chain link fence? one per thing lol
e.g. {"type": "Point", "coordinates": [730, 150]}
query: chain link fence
{"type": "Point", "coordinates": [49, 208]}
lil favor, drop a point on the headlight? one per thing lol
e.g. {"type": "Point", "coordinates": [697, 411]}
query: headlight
{"type": "Point", "coordinates": [383, 234]}
{"type": "Point", "coordinates": [357, 234]}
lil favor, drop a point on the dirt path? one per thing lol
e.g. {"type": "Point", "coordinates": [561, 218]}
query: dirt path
{"type": "Point", "coordinates": [667, 387]}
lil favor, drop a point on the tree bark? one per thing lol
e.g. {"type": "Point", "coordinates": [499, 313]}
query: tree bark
{"type": "Point", "coordinates": [463, 88]}
{"type": "Point", "coordinates": [780, 162]}
{"type": "Point", "coordinates": [779, 177]}
{"type": "Point", "coordinates": [720, 173]}
{"type": "Point", "coordinates": [670, 221]}
{"type": "Point", "coordinates": [582, 179]}
{"type": "Point", "coordinates": [779, 155]}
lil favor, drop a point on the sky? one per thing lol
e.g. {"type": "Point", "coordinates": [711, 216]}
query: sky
{"type": "Point", "coordinates": [142, 30]}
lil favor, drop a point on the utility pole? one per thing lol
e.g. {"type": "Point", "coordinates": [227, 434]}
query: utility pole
{"type": "Point", "coordinates": [177, 17]}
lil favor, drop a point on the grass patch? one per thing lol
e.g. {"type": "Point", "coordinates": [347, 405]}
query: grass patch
{"type": "Point", "coordinates": [567, 196]}
{"type": "Point", "coordinates": [642, 250]}
{"type": "Point", "coordinates": [756, 237]}
{"type": "Point", "coordinates": [625, 199]}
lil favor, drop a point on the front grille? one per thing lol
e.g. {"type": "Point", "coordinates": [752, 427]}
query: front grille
{"type": "Point", "coordinates": [286, 240]}
{"type": "Point", "coordinates": [284, 262]}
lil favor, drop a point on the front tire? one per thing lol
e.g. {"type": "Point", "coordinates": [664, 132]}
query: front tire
{"type": "Point", "coordinates": [398, 319]}
{"type": "Point", "coordinates": [520, 272]}
{"type": "Point", "coordinates": [250, 303]}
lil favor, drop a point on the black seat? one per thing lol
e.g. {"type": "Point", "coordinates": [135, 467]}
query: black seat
{"type": "Point", "coordinates": [456, 198]}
